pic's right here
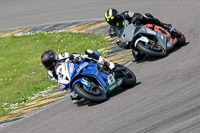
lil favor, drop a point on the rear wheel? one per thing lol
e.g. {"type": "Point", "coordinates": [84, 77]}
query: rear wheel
{"type": "Point", "coordinates": [180, 37]}
{"type": "Point", "coordinates": [152, 49]}
{"type": "Point", "coordinates": [129, 78]}
{"type": "Point", "coordinates": [94, 94]}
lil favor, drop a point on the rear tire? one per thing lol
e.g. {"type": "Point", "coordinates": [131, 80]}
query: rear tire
{"type": "Point", "coordinates": [129, 78]}
{"type": "Point", "coordinates": [150, 52]}
{"type": "Point", "coordinates": [180, 38]}
{"type": "Point", "coordinates": [79, 89]}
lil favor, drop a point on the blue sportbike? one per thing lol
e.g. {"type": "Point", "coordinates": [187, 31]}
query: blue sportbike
{"type": "Point", "coordinates": [93, 82]}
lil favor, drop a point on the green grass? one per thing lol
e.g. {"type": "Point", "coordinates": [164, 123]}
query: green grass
{"type": "Point", "coordinates": [21, 73]}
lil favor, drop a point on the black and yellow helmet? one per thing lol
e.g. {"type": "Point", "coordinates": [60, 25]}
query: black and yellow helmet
{"type": "Point", "coordinates": [111, 16]}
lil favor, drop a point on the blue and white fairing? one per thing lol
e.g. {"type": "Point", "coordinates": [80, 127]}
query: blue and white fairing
{"type": "Point", "coordinates": [74, 73]}
{"type": "Point", "coordinates": [89, 69]}
{"type": "Point", "coordinates": [65, 73]}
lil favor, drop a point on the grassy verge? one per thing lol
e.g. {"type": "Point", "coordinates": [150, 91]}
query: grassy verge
{"type": "Point", "coordinates": [22, 75]}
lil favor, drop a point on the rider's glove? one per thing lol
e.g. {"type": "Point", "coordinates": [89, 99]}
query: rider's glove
{"type": "Point", "coordinates": [77, 59]}
{"type": "Point", "coordinates": [135, 20]}
{"type": "Point", "coordinates": [84, 56]}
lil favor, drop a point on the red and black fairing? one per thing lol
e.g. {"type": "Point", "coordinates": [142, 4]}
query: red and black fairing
{"type": "Point", "coordinates": [171, 42]}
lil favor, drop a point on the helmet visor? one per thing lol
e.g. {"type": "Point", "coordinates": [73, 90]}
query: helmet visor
{"type": "Point", "coordinates": [48, 64]}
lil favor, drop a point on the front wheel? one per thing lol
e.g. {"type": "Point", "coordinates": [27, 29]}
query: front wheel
{"type": "Point", "coordinates": [94, 94]}
{"type": "Point", "coordinates": [152, 49]}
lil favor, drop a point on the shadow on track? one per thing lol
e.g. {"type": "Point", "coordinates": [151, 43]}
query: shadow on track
{"type": "Point", "coordinates": [120, 90]}
{"type": "Point", "coordinates": [151, 58]}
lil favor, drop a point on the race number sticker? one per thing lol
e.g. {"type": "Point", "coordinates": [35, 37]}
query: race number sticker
{"type": "Point", "coordinates": [62, 76]}
{"type": "Point", "coordinates": [111, 79]}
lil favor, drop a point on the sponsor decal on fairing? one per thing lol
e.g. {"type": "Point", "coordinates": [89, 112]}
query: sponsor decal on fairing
{"type": "Point", "coordinates": [81, 66]}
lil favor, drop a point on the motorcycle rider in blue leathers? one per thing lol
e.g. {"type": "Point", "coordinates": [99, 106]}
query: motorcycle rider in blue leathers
{"type": "Point", "coordinates": [55, 64]}
{"type": "Point", "coordinates": [115, 19]}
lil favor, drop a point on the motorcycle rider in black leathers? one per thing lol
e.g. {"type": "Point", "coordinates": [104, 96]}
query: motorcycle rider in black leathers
{"type": "Point", "coordinates": [55, 64]}
{"type": "Point", "coordinates": [115, 19]}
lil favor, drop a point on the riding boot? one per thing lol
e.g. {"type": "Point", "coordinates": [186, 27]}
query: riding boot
{"type": "Point", "coordinates": [112, 66]}
{"type": "Point", "coordinates": [164, 25]}
{"type": "Point", "coordinates": [106, 63]}
{"type": "Point", "coordinates": [149, 15]}
{"type": "Point", "coordinates": [158, 22]}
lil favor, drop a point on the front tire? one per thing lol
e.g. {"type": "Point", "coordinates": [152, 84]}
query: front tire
{"type": "Point", "coordinates": [144, 49]}
{"type": "Point", "coordinates": [82, 92]}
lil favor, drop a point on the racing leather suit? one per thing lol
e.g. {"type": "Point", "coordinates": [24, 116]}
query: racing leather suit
{"type": "Point", "coordinates": [58, 74]}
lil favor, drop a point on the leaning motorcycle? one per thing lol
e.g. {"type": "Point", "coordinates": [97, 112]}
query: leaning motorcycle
{"type": "Point", "coordinates": [150, 39]}
{"type": "Point", "coordinates": [93, 82]}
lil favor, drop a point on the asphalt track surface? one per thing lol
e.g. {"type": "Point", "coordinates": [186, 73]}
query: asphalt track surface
{"type": "Point", "coordinates": [167, 97]}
